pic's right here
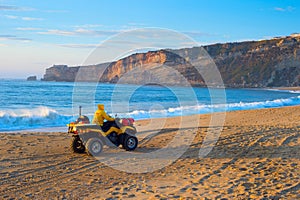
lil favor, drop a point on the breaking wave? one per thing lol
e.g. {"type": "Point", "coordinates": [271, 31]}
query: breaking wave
{"type": "Point", "coordinates": [18, 119]}
{"type": "Point", "coordinates": [203, 109]}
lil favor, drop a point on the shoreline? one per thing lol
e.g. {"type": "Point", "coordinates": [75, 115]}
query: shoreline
{"type": "Point", "coordinates": [64, 128]}
{"type": "Point", "coordinates": [296, 88]}
{"type": "Point", "coordinates": [285, 88]}
{"type": "Point", "coordinates": [40, 129]}
{"type": "Point", "coordinates": [256, 156]}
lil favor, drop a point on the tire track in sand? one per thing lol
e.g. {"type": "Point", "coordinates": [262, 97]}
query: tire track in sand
{"type": "Point", "coordinates": [250, 147]}
{"type": "Point", "coordinates": [51, 178]}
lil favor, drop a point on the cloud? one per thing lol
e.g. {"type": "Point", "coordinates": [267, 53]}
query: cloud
{"type": "Point", "coordinates": [133, 25]}
{"type": "Point", "coordinates": [11, 16]}
{"type": "Point", "coordinates": [287, 9]}
{"type": "Point", "coordinates": [91, 46]}
{"type": "Point", "coordinates": [89, 26]}
{"type": "Point", "coordinates": [136, 24]}
{"type": "Point", "coordinates": [279, 9]}
{"type": "Point", "coordinates": [18, 8]}
{"type": "Point", "coordinates": [79, 32]}
{"type": "Point", "coordinates": [57, 32]}
{"type": "Point", "coordinates": [14, 37]}
{"type": "Point", "coordinates": [198, 34]}
{"type": "Point", "coordinates": [27, 29]}
{"type": "Point", "coordinates": [31, 19]}
{"type": "Point", "coordinates": [14, 8]}
{"type": "Point", "coordinates": [6, 7]}
{"type": "Point", "coordinates": [23, 18]}
{"type": "Point", "coordinates": [82, 31]}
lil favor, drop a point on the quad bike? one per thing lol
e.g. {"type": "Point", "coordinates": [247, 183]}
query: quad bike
{"type": "Point", "coordinates": [91, 138]}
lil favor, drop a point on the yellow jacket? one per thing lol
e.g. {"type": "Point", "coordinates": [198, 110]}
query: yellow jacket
{"type": "Point", "coordinates": [100, 115]}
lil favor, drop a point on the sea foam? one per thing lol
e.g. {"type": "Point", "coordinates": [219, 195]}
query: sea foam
{"type": "Point", "coordinates": [208, 108]}
{"type": "Point", "coordinates": [31, 118]}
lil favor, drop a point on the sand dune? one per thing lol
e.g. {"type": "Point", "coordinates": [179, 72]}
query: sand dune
{"type": "Point", "coordinates": [257, 156]}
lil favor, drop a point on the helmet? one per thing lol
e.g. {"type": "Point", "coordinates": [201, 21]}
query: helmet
{"type": "Point", "coordinates": [100, 106]}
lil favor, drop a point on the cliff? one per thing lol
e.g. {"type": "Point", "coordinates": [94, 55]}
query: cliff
{"type": "Point", "coordinates": [265, 63]}
{"type": "Point", "coordinates": [60, 73]}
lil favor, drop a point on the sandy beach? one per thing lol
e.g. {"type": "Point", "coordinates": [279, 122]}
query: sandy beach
{"type": "Point", "coordinates": [287, 88]}
{"type": "Point", "coordinates": [257, 156]}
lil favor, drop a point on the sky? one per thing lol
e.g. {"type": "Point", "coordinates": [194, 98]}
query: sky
{"type": "Point", "coordinates": [36, 34]}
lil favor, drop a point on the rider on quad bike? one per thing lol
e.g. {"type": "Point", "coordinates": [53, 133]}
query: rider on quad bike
{"type": "Point", "coordinates": [92, 137]}
{"type": "Point", "coordinates": [99, 117]}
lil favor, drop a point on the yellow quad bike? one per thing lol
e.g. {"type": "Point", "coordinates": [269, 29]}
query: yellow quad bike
{"type": "Point", "coordinates": [91, 138]}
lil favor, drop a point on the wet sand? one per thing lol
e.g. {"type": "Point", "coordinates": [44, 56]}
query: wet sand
{"type": "Point", "coordinates": [287, 88]}
{"type": "Point", "coordinates": [257, 156]}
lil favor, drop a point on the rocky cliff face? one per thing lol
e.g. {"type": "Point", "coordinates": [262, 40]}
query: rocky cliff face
{"type": "Point", "coordinates": [154, 67]}
{"type": "Point", "coordinates": [274, 62]}
{"type": "Point", "coordinates": [60, 73]}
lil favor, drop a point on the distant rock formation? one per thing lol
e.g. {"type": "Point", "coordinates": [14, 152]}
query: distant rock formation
{"type": "Point", "coordinates": [31, 78]}
{"type": "Point", "coordinates": [60, 73]}
{"type": "Point", "coordinates": [265, 63]}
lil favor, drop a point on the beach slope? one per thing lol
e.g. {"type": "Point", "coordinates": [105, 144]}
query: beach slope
{"type": "Point", "coordinates": [256, 156]}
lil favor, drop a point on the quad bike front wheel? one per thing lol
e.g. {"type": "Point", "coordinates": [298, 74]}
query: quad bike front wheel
{"type": "Point", "coordinates": [130, 143]}
{"type": "Point", "coordinates": [77, 145]}
{"type": "Point", "coordinates": [94, 146]}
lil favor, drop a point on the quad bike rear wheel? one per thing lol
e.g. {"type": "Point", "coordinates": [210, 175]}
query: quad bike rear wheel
{"type": "Point", "coordinates": [94, 146]}
{"type": "Point", "coordinates": [77, 145]}
{"type": "Point", "coordinates": [130, 143]}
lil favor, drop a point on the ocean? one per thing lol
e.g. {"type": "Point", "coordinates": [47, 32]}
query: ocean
{"type": "Point", "coordinates": [27, 105]}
